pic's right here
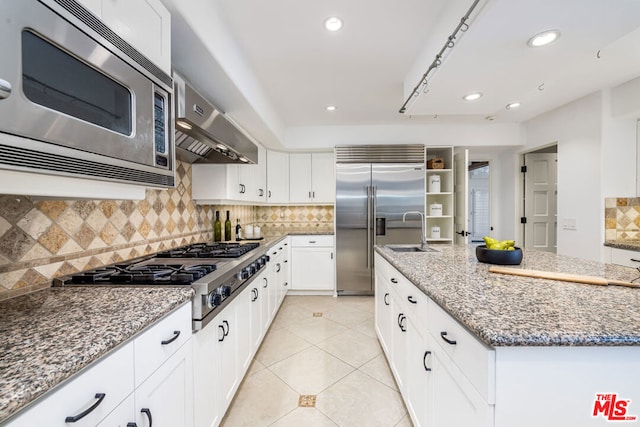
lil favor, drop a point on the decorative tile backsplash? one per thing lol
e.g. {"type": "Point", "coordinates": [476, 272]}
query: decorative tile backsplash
{"type": "Point", "coordinates": [44, 239]}
{"type": "Point", "coordinates": [622, 218]}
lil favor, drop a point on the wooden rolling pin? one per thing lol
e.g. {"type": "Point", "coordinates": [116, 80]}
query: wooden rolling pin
{"type": "Point", "coordinates": [565, 277]}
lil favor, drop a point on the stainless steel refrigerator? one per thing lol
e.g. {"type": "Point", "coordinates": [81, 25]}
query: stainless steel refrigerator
{"type": "Point", "coordinates": [375, 186]}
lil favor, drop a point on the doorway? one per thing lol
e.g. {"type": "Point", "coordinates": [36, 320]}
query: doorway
{"type": "Point", "coordinates": [479, 200]}
{"type": "Point", "coordinates": [540, 182]}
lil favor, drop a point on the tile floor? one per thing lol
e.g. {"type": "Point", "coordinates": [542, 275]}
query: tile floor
{"type": "Point", "coordinates": [324, 351]}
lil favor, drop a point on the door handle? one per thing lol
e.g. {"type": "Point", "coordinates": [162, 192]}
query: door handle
{"type": "Point", "coordinates": [368, 227]}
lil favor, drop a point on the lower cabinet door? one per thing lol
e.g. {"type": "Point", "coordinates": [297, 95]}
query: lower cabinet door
{"type": "Point", "coordinates": [207, 411]}
{"type": "Point", "coordinates": [165, 399]}
{"type": "Point", "coordinates": [312, 268]}
{"type": "Point", "coordinates": [226, 323]}
{"type": "Point", "coordinates": [419, 376]}
{"type": "Point", "coordinates": [124, 414]}
{"type": "Point", "coordinates": [456, 403]}
{"type": "Point", "coordinates": [383, 313]}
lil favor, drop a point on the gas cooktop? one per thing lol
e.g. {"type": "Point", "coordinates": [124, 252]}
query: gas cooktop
{"type": "Point", "coordinates": [153, 274]}
{"type": "Point", "coordinates": [209, 250]}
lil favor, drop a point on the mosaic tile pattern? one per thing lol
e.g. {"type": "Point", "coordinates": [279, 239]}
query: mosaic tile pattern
{"type": "Point", "coordinates": [43, 239]}
{"type": "Point", "coordinates": [287, 219]}
{"type": "Point", "coordinates": [622, 218]}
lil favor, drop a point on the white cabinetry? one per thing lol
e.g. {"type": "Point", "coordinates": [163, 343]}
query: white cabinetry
{"type": "Point", "coordinates": [443, 196]}
{"type": "Point", "coordinates": [312, 178]}
{"type": "Point", "coordinates": [312, 263]}
{"type": "Point", "coordinates": [145, 24]}
{"type": "Point", "coordinates": [230, 183]}
{"type": "Point", "coordinates": [225, 347]}
{"type": "Point", "coordinates": [277, 177]}
{"type": "Point", "coordinates": [625, 257]}
{"type": "Point", "coordinates": [150, 376]}
{"type": "Point", "coordinates": [440, 369]}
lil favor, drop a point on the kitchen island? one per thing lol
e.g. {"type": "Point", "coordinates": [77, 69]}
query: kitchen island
{"type": "Point", "coordinates": [525, 351]}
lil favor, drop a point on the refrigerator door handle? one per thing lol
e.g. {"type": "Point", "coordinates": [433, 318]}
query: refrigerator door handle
{"type": "Point", "coordinates": [374, 198]}
{"type": "Point", "coordinates": [368, 227]}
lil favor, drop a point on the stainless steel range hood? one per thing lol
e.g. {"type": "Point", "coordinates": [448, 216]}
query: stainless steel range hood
{"type": "Point", "coordinates": [204, 134]}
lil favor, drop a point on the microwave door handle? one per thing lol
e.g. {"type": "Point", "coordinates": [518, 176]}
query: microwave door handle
{"type": "Point", "coordinates": [5, 89]}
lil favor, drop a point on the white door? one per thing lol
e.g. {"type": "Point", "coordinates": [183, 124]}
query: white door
{"type": "Point", "coordinates": [461, 215]}
{"type": "Point", "coordinates": [541, 189]}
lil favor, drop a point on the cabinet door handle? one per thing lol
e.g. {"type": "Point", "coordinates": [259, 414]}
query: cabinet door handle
{"type": "Point", "coordinates": [266, 282]}
{"type": "Point", "coordinates": [424, 361]}
{"type": "Point", "coordinates": [132, 425]}
{"type": "Point", "coordinates": [314, 194]}
{"type": "Point", "coordinates": [278, 266]}
{"type": "Point", "coordinates": [226, 323]}
{"type": "Point", "coordinates": [312, 242]}
{"type": "Point", "coordinates": [412, 300]}
{"type": "Point", "coordinates": [147, 412]}
{"type": "Point", "coordinates": [286, 283]}
{"type": "Point", "coordinates": [384, 298]}
{"type": "Point", "coordinates": [443, 335]}
{"type": "Point", "coordinates": [401, 319]}
{"type": "Point", "coordinates": [269, 193]}
{"type": "Point", "coordinates": [254, 294]}
{"type": "Point", "coordinates": [81, 415]}
{"type": "Point", "coordinates": [309, 194]}
{"type": "Point", "coordinates": [175, 336]}
{"type": "Point", "coordinates": [395, 281]}
{"type": "Point", "coordinates": [223, 334]}
{"type": "Point", "coordinates": [260, 192]}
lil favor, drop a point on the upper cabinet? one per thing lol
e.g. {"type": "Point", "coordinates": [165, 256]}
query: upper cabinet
{"type": "Point", "coordinates": [145, 24]}
{"type": "Point", "coordinates": [312, 178]}
{"type": "Point", "coordinates": [230, 183]}
{"type": "Point", "coordinates": [277, 177]}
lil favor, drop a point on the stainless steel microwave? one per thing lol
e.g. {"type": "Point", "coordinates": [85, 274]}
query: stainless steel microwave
{"type": "Point", "coordinates": [78, 100]}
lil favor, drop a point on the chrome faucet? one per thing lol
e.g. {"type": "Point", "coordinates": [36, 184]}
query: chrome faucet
{"type": "Point", "coordinates": [423, 236]}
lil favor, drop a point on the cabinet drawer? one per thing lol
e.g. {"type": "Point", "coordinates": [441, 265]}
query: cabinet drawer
{"type": "Point", "coordinates": [474, 359]}
{"type": "Point", "coordinates": [160, 341]}
{"type": "Point", "coordinates": [305, 241]}
{"type": "Point", "coordinates": [111, 376]}
{"type": "Point", "coordinates": [625, 257]}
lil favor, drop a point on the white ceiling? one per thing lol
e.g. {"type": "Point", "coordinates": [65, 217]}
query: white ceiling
{"type": "Point", "coordinates": [367, 69]}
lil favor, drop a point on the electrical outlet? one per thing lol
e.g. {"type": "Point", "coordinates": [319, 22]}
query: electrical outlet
{"type": "Point", "coordinates": [569, 224]}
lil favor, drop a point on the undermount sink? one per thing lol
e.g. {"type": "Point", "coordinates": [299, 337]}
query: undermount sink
{"type": "Point", "coordinates": [410, 249]}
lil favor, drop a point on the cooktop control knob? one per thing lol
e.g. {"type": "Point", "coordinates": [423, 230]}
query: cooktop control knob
{"type": "Point", "coordinates": [214, 299]}
{"type": "Point", "coordinates": [225, 290]}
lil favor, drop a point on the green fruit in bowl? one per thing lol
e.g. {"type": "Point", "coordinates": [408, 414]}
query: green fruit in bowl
{"type": "Point", "coordinates": [504, 245]}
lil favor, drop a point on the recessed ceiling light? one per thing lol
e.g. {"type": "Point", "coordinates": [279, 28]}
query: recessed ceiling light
{"type": "Point", "coordinates": [221, 147]}
{"type": "Point", "coordinates": [333, 23]}
{"type": "Point", "coordinates": [184, 125]}
{"type": "Point", "coordinates": [331, 108]}
{"type": "Point", "coordinates": [513, 105]}
{"type": "Point", "coordinates": [472, 96]}
{"type": "Point", "coordinates": [543, 38]}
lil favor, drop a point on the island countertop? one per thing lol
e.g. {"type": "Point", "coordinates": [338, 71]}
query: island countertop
{"type": "Point", "coordinates": [504, 310]}
{"type": "Point", "coordinates": [51, 335]}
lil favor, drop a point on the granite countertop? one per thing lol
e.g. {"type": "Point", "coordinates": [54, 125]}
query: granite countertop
{"type": "Point", "coordinates": [505, 310]}
{"type": "Point", "coordinates": [632, 245]}
{"type": "Point", "coordinates": [50, 335]}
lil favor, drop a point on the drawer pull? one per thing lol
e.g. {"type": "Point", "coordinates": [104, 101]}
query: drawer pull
{"type": "Point", "coordinates": [226, 323]}
{"type": "Point", "coordinates": [444, 337]}
{"type": "Point", "coordinates": [412, 300]}
{"type": "Point", "coordinates": [81, 415]}
{"type": "Point", "coordinates": [176, 334]}
{"type": "Point", "coordinates": [424, 361]}
{"type": "Point", "coordinates": [147, 412]}
{"type": "Point", "coordinates": [394, 280]}
{"type": "Point", "coordinates": [401, 319]}
{"type": "Point", "coordinates": [385, 299]}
